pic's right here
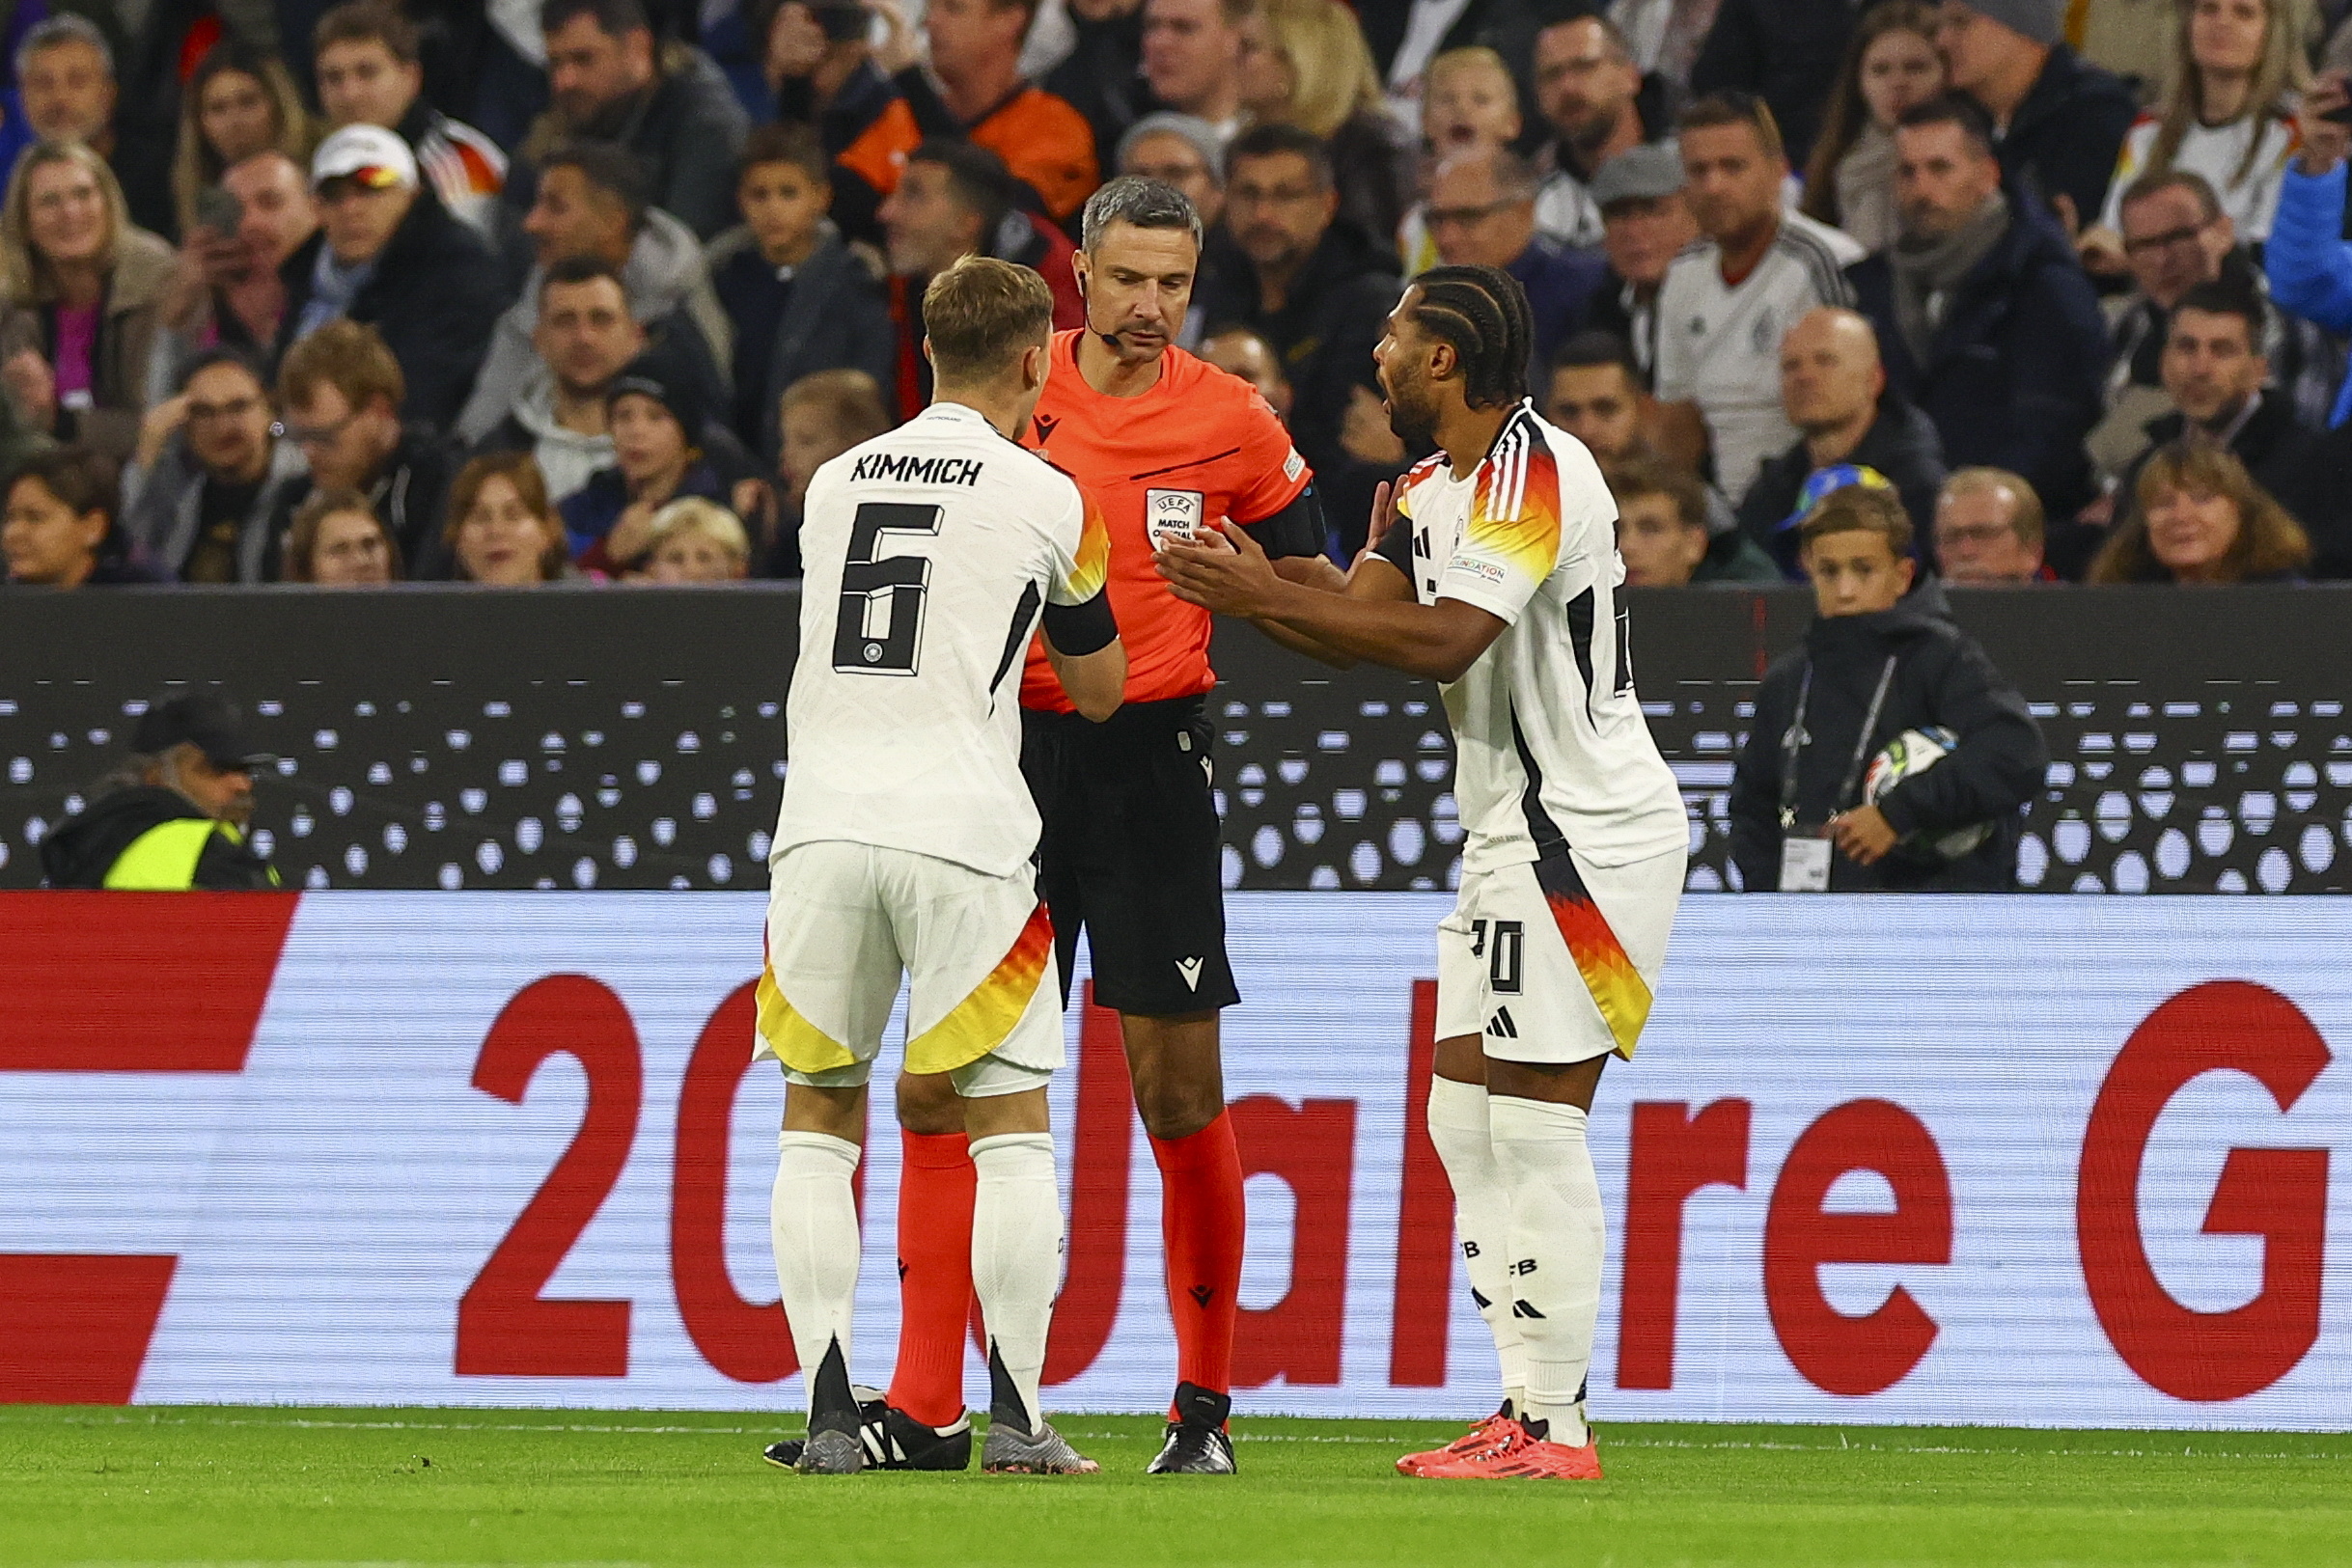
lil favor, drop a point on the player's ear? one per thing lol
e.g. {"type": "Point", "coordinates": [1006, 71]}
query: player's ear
{"type": "Point", "coordinates": [1078, 270]}
{"type": "Point", "coordinates": [927, 351]}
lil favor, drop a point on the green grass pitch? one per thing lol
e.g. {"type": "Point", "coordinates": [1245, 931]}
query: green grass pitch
{"type": "Point", "coordinates": [443, 1486]}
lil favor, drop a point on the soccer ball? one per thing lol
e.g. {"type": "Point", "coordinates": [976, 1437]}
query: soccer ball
{"type": "Point", "coordinates": [1915, 752]}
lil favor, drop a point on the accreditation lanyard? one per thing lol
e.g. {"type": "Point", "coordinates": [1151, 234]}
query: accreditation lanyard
{"type": "Point", "coordinates": [1794, 741]}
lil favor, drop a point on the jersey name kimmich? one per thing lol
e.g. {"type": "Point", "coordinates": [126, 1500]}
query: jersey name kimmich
{"type": "Point", "coordinates": [901, 468]}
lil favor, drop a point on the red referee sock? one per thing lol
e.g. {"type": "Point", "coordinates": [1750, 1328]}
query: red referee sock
{"type": "Point", "coordinates": [937, 1181]}
{"type": "Point", "coordinates": [1203, 1221]}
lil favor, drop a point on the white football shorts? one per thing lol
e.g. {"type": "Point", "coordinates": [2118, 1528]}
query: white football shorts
{"type": "Point", "coordinates": [845, 920]}
{"type": "Point", "coordinates": [1554, 960]}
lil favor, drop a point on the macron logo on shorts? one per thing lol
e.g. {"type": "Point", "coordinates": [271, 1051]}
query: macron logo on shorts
{"type": "Point", "coordinates": [1190, 969]}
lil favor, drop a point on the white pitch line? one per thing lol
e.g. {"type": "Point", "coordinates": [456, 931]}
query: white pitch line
{"type": "Point", "coordinates": [1843, 1445]}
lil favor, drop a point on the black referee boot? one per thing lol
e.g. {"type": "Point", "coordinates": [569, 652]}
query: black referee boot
{"type": "Point", "coordinates": [1197, 1443]}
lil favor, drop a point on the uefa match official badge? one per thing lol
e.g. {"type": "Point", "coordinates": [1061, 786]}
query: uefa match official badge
{"type": "Point", "coordinates": [1174, 515]}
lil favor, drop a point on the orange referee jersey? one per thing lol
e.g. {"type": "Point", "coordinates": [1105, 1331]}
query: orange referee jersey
{"type": "Point", "coordinates": [1200, 445]}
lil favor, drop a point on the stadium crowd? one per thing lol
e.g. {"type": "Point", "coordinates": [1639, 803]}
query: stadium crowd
{"type": "Point", "coordinates": [524, 293]}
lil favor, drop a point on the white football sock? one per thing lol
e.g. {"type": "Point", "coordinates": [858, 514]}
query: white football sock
{"type": "Point", "coordinates": [813, 1219]}
{"type": "Point", "coordinates": [1556, 1236]}
{"type": "Point", "coordinates": [1016, 1264]}
{"type": "Point", "coordinates": [1481, 1219]}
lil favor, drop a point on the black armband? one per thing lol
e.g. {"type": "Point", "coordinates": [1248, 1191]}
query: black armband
{"type": "Point", "coordinates": [1297, 530]}
{"type": "Point", "coordinates": [1075, 629]}
{"type": "Point", "coordinates": [1396, 545]}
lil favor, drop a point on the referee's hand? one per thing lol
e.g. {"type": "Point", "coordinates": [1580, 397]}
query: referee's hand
{"type": "Point", "coordinates": [1225, 571]}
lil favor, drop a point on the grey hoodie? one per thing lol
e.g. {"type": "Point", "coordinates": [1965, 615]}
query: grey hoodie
{"type": "Point", "coordinates": [666, 276]}
{"type": "Point", "coordinates": [164, 506]}
{"type": "Point", "coordinates": [566, 457]}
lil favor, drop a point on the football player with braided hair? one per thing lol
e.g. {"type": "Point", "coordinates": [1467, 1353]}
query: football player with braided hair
{"type": "Point", "coordinates": [1494, 571]}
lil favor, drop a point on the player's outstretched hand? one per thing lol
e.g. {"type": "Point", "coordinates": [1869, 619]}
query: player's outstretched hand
{"type": "Point", "coordinates": [1223, 570]}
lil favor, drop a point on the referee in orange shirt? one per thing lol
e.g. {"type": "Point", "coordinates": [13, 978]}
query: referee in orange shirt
{"type": "Point", "coordinates": [1132, 847]}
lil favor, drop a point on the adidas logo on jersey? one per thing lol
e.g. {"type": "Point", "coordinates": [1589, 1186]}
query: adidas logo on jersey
{"type": "Point", "coordinates": [1501, 1027]}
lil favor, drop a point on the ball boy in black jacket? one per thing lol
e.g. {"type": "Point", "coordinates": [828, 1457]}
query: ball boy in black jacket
{"type": "Point", "coordinates": [1881, 659]}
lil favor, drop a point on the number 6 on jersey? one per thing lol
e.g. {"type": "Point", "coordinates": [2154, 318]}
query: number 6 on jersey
{"type": "Point", "coordinates": [889, 587]}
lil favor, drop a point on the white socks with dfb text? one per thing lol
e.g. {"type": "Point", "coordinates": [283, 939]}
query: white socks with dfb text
{"type": "Point", "coordinates": [1481, 1219]}
{"type": "Point", "coordinates": [1557, 1238]}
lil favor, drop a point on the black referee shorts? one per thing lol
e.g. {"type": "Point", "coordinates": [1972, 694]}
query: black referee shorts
{"type": "Point", "coordinates": [1131, 853]}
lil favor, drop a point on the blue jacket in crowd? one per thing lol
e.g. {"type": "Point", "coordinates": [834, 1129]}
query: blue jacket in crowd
{"type": "Point", "coordinates": [2309, 262]}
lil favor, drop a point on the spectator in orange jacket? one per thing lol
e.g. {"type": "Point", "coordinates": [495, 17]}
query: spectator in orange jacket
{"type": "Point", "coordinates": [873, 105]}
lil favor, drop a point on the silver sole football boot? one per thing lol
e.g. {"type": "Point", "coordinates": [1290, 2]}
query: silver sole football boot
{"type": "Point", "coordinates": [1009, 1451]}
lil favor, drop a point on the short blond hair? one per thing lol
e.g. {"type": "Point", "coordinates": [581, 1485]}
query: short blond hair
{"type": "Point", "coordinates": [692, 514]}
{"type": "Point", "coordinates": [980, 314]}
{"type": "Point", "coordinates": [1469, 57]}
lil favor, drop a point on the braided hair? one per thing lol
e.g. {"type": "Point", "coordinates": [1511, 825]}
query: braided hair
{"type": "Point", "coordinates": [1483, 312]}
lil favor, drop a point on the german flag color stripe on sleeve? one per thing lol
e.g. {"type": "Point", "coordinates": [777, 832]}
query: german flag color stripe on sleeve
{"type": "Point", "coordinates": [984, 1020]}
{"type": "Point", "coordinates": [1618, 988]}
{"type": "Point", "coordinates": [1093, 554]}
{"type": "Point", "coordinates": [792, 1039]}
{"type": "Point", "coordinates": [1515, 514]}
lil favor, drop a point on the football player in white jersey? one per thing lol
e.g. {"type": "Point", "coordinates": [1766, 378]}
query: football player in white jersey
{"type": "Point", "coordinates": [1496, 573]}
{"type": "Point", "coordinates": [906, 836]}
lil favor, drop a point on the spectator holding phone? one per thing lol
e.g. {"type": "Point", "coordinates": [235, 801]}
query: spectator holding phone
{"type": "Point", "coordinates": [225, 286]}
{"type": "Point", "coordinates": [2308, 260]}
{"type": "Point", "coordinates": [239, 104]}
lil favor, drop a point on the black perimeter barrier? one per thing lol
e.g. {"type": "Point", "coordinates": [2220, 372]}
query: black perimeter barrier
{"type": "Point", "coordinates": [437, 738]}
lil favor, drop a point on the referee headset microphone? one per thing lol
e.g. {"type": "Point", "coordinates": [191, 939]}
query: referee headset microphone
{"type": "Point", "coordinates": [1110, 340]}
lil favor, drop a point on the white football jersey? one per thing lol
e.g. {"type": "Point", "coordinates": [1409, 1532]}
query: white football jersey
{"type": "Point", "coordinates": [1550, 746]}
{"type": "Point", "coordinates": [1719, 344]}
{"type": "Point", "coordinates": [928, 554]}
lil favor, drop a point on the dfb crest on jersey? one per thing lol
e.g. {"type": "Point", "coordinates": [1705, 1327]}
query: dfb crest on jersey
{"type": "Point", "coordinates": [1174, 514]}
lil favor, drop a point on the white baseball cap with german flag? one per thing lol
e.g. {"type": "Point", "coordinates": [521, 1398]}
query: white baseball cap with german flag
{"type": "Point", "coordinates": [376, 157]}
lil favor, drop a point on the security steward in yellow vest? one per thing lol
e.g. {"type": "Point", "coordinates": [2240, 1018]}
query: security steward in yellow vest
{"type": "Point", "coordinates": [179, 821]}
